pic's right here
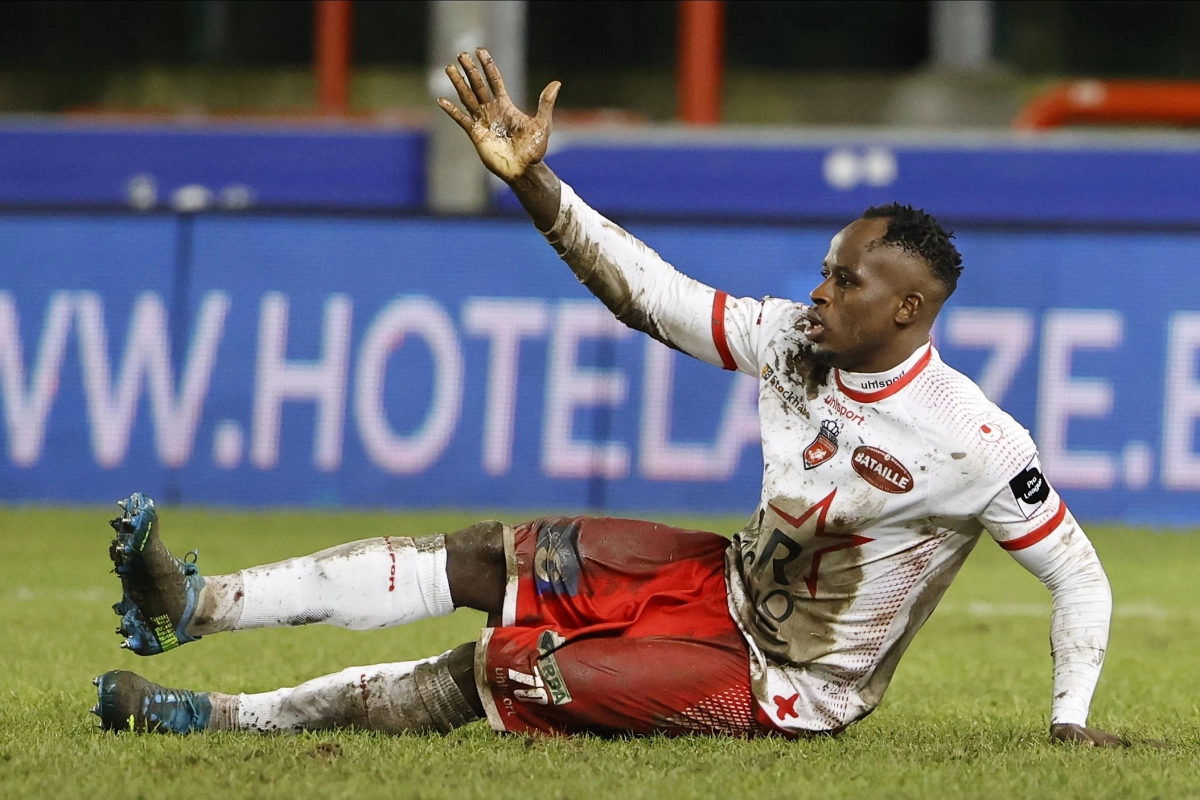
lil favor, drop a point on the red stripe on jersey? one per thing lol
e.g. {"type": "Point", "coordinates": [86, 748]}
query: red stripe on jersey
{"type": "Point", "coordinates": [1030, 539]}
{"type": "Point", "coordinates": [891, 388]}
{"type": "Point", "coordinates": [718, 330]}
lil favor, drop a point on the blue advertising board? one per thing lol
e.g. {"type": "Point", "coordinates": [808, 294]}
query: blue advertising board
{"type": "Point", "coordinates": [1049, 179]}
{"type": "Point", "coordinates": [50, 163]}
{"type": "Point", "coordinates": [273, 360]}
{"type": "Point", "coordinates": [663, 171]}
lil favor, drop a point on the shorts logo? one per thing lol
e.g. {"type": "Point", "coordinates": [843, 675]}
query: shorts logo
{"type": "Point", "coordinates": [1030, 488]}
{"type": "Point", "coordinates": [824, 446]}
{"type": "Point", "coordinates": [546, 685]}
{"type": "Point", "coordinates": [556, 562]}
{"type": "Point", "coordinates": [882, 470]}
{"type": "Point", "coordinates": [559, 694]}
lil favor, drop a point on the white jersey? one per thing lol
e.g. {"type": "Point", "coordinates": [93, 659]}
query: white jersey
{"type": "Point", "coordinates": [875, 489]}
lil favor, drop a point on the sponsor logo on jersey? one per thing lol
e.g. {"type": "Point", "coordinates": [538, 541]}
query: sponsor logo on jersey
{"type": "Point", "coordinates": [882, 470]}
{"type": "Point", "coordinates": [1030, 488]}
{"type": "Point", "coordinates": [790, 397]}
{"type": "Point", "coordinates": [824, 446]}
{"type": "Point", "coordinates": [839, 409]}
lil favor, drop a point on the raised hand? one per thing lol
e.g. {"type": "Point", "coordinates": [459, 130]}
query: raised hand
{"type": "Point", "coordinates": [1092, 737]}
{"type": "Point", "coordinates": [508, 141]}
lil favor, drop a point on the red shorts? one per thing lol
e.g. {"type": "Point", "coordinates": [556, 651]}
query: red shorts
{"type": "Point", "coordinates": [615, 626]}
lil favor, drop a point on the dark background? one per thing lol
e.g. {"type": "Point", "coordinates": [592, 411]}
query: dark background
{"type": "Point", "coordinates": [1102, 38]}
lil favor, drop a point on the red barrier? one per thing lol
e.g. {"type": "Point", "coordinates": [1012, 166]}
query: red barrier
{"type": "Point", "coordinates": [331, 55]}
{"type": "Point", "coordinates": [701, 60]}
{"type": "Point", "coordinates": [1113, 103]}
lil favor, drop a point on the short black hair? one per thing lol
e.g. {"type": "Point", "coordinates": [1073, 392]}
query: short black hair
{"type": "Point", "coordinates": [913, 230]}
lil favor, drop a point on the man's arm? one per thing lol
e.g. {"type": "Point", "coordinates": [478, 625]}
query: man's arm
{"type": "Point", "coordinates": [1067, 564]}
{"type": "Point", "coordinates": [640, 288]}
{"type": "Point", "coordinates": [1052, 546]}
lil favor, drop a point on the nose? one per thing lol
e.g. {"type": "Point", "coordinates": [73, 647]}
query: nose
{"type": "Point", "coordinates": [820, 294]}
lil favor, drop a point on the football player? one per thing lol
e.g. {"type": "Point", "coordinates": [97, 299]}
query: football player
{"type": "Point", "coordinates": [883, 468]}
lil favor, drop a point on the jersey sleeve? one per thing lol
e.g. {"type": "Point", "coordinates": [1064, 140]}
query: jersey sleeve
{"type": "Point", "coordinates": [1030, 520]}
{"type": "Point", "coordinates": [650, 295]}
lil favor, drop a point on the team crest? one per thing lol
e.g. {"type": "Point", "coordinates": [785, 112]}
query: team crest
{"type": "Point", "coordinates": [824, 446]}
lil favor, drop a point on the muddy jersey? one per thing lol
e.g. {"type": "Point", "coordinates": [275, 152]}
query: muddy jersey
{"type": "Point", "coordinates": [875, 489]}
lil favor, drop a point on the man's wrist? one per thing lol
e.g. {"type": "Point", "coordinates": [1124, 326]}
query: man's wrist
{"type": "Point", "coordinates": [540, 193]}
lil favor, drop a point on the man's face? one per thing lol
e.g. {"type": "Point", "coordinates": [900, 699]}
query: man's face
{"type": "Point", "coordinates": [864, 303]}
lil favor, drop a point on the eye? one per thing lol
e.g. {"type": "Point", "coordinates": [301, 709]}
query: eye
{"type": "Point", "coordinates": [824, 272]}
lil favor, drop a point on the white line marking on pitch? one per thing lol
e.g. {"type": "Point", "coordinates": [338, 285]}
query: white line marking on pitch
{"type": "Point", "coordinates": [1140, 610]}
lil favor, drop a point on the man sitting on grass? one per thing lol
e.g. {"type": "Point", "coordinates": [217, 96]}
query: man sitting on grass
{"type": "Point", "coordinates": [882, 468]}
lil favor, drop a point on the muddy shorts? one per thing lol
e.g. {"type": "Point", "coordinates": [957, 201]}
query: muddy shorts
{"type": "Point", "coordinates": [615, 626]}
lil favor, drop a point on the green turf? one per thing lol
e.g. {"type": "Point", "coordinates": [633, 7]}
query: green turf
{"type": "Point", "coordinates": [965, 716]}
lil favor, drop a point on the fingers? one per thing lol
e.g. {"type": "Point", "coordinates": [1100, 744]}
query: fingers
{"type": "Point", "coordinates": [482, 94]}
{"type": "Point", "coordinates": [465, 94]}
{"type": "Point", "coordinates": [455, 114]}
{"type": "Point", "coordinates": [492, 72]}
{"type": "Point", "coordinates": [546, 102]}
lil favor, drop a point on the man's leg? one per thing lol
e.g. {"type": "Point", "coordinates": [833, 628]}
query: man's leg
{"type": "Point", "coordinates": [337, 586]}
{"type": "Point", "coordinates": [373, 583]}
{"type": "Point", "coordinates": [434, 694]}
{"type": "Point", "coordinates": [362, 585]}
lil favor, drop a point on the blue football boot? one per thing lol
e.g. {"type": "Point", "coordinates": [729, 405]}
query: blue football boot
{"type": "Point", "coordinates": [129, 702]}
{"type": "Point", "coordinates": [159, 591]}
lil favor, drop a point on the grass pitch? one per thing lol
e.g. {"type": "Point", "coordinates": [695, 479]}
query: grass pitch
{"type": "Point", "coordinates": [966, 715]}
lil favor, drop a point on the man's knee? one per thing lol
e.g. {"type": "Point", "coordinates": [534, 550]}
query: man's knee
{"type": "Point", "coordinates": [476, 567]}
{"type": "Point", "coordinates": [483, 541]}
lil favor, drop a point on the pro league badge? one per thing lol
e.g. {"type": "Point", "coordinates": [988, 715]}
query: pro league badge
{"type": "Point", "coordinates": [824, 446]}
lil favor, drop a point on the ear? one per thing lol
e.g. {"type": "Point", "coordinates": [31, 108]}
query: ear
{"type": "Point", "coordinates": [911, 309]}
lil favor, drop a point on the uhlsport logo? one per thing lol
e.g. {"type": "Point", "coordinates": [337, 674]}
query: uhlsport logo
{"type": "Point", "coordinates": [824, 446]}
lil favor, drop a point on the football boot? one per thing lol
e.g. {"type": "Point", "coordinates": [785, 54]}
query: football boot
{"type": "Point", "coordinates": [129, 702]}
{"type": "Point", "coordinates": [159, 591]}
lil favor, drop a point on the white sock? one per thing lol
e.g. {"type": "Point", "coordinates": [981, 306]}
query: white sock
{"type": "Point", "coordinates": [412, 696]}
{"type": "Point", "coordinates": [373, 583]}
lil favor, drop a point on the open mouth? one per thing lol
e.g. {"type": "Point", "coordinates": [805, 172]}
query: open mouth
{"type": "Point", "coordinates": [814, 327]}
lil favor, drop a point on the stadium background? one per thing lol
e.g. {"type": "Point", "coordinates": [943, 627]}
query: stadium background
{"type": "Point", "coordinates": [262, 300]}
{"type": "Point", "coordinates": [246, 267]}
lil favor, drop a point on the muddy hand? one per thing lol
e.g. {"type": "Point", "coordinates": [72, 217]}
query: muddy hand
{"type": "Point", "coordinates": [508, 141]}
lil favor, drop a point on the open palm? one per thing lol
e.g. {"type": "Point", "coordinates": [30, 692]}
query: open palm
{"type": "Point", "coordinates": [508, 141]}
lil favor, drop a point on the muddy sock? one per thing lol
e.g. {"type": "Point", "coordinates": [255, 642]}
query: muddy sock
{"type": "Point", "coordinates": [373, 583]}
{"type": "Point", "coordinates": [416, 696]}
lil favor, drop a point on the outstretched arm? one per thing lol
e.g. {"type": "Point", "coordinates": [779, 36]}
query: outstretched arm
{"type": "Point", "coordinates": [639, 287]}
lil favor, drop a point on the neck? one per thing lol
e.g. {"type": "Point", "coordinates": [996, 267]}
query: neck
{"type": "Point", "coordinates": [876, 385]}
{"type": "Point", "coordinates": [892, 357]}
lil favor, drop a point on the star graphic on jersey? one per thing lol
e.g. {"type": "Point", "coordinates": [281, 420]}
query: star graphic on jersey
{"type": "Point", "coordinates": [843, 540]}
{"type": "Point", "coordinates": [786, 706]}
